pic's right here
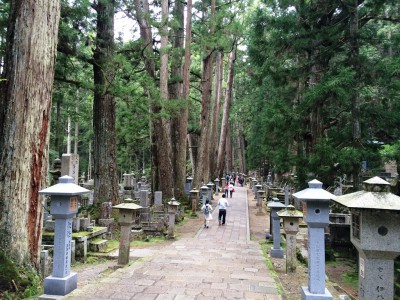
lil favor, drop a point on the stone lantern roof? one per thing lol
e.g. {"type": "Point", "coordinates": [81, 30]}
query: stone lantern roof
{"type": "Point", "coordinates": [376, 195]}
{"type": "Point", "coordinates": [313, 192]}
{"type": "Point", "coordinates": [290, 212]}
{"type": "Point", "coordinates": [128, 206]}
{"type": "Point", "coordinates": [65, 186]}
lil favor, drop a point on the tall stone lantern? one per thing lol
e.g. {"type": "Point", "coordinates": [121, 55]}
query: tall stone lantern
{"type": "Point", "coordinates": [317, 217]}
{"type": "Point", "coordinates": [126, 217]}
{"type": "Point", "coordinates": [375, 223]}
{"type": "Point", "coordinates": [63, 207]}
{"type": "Point", "coordinates": [194, 194]}
{"type": "Point", "coordinates": [275, 205]}
{"type": "Point", "coordinates": [204, 192]}
{"type": "Point", "coordinates": [291, 219]}
{"type": "Point", "coordinates": [172, 209]}
{"type": "Point", "coordinates": [216, 182]}
{"type": "Point", "coordinates": [210, 186]}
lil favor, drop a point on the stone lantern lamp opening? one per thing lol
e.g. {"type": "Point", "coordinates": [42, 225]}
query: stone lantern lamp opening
{"type": "Point", "coordinates": [375, 223]}
{"type": "Point", "coordinates": [63, 207]}
{"type": "Point", "coordinates": [317, 217]}
{"type": "Point", "coordinates": [127, 214]}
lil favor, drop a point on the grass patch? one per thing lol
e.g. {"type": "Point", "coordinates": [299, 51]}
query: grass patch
{"type": "Point", "coordinates": [147, 241]}
{"type": "Point", "coordinates": [264, 246]}
{"type": "Point", "coordinates": [351, 279]}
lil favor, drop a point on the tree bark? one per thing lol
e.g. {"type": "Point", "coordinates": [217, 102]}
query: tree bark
{"type": "Point", "coordinates": [25, 105]}
{"type": "Point", "coordinates": [104, 146]}
{"type": "Point", "coordinates": [180, 92]}
{"type": "Point", "coordinates": [225, 115]}
{"type": "Point", "coordinates": [215, 114]}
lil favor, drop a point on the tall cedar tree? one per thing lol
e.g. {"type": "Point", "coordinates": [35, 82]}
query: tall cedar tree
{"type": "Point", "coordinates": [25, 104]}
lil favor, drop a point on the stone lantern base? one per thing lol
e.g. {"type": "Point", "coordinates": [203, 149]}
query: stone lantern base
{"type": "Point", "coordinates": [277, 253]}
{"type": "Point", "coordinates": [60, 286]}
{"type": "Point", "coordinates": [307, 295]}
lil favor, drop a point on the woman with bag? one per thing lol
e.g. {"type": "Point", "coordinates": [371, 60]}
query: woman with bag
{"type": "Point", "coordinates": [207, 210]}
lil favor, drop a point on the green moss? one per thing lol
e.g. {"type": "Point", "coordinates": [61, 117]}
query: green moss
{"type": "Point", "coordinates": [8, 274]}
{"type": "Point", "coordinates": [351, 278]}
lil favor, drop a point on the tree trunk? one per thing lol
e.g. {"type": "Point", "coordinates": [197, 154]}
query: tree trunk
{"type": "Point", "coordinates": [355, 103]}
{"type": "Point", "coordinates": [193, 142]}
{"type": "Point", "coordinates": [25, 107]}
{"type": "Point", "coordinates": [180, 85]}
{"type": "Point", "coordinates": [225, 115]}
{"type": "Point", "coordinates": [163, 131]}
{"type": "Point", "coordinates": [215, 115]}
{"type": "Point", "coordinates": [104, 146]}
{"type": "Point", "coordinates": [241, 149]}
{"type": "Point", "coordinates": [229, 152]}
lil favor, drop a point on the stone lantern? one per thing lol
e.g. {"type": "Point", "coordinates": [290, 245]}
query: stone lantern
{"type": "Point", "coordinates": [258, 187]}
{"type": "Point", "coordinates": [375, 223]}
{"type": "Point", "coordinates": [127, 213]}
{"type": "Point", "coordinates": [63, 207]}
{"type": "Point", "coordinates": [127, 181]}
{"type": "Point", "coordinates": [204, 192]}
{"type": "Point", "coordinates": [317, 217]}
{"type": "Point", "coordinates": [210, 186]}
{"type": "Point", "coordinates": [194, 194]}
{"type": "Point", "coordinates": [291, 219]}
{"type": "Point", "coordinates": [260, 196]}
{"type": "Point", "coordinates": [216, 181]}
{"type": "Point", "coordinates": [172, 209]}
{"type": "Point", "coordinates": [188, 185]}
{"type": "Point", "coordinates": [275, 205]}
{"type": "Point", "coordinates": [253, 185]}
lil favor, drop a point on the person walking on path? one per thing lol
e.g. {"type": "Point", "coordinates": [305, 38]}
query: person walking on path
{"type": "Point", "coordinates": [226, 190]}
{"type": "Point", "coordinates": [207, 210]}
{"type": "Point", "coordinates": [222, 206]}
{"type": "Point", "coordinates": [231, 189]}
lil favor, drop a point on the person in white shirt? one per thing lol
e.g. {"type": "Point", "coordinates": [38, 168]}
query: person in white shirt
{"type": "Point", "coordinates": [222, 206]}
{"type": "Point", "coordinates": [231, 188]}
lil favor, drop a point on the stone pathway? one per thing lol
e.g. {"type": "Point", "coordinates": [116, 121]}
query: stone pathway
{"type": "Point", "coordinates": [218, 263]}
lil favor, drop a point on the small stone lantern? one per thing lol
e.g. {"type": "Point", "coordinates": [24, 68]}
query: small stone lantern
{"type": "Point", "coordinates": [63, 207]}
{"type": "Point", "coordinates": [275, 205]}
{"type": "Point", "coordinates": [127, 213]}
{"type": "Point", "coordinates": [258, 187]}
{"type": "Point", "coordinates": [260, 196]}
{"type": "Point", "coordinates": [375, 223]}
{"type": "Point", "coordinates": [204, 191]}
{"type": "Point", "coordinates": [216, 181]}
{"type": "Point", "coordinates": [127, 181]}
{"type": "Point", "coordinates": [172, 209]}
{"type": "Point", "coordinates": [188, 185]}
{"type": "Point", "coordinates": [253, 185]}
{"type": "Point", "coordinates": [210, 185]}
{"type": "Point", "coordinates": [291, 219]}
{"type": "Point", "coordinates": [317, 217]}
{"type": "Point", "coordinates": [194, 194]}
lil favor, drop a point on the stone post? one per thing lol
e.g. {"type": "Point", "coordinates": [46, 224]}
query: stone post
{"type": "Point", "coordinates": [210, 186]}
{"type": "Point", "coordinates": [188, 185]}
{"type": "Point", "coordinates": [70, 166]}
{"type": "Point", "coordinates": [286, 195]}
{"type": "Point", "coordinates": [126, 217]}
{"type": "Point", "coordinates": [194, 196]}
{"type": "Point", "coordinates": [275, 206]}
{"type": "Point", "coordinates": [290, 218]}
{"type": "Point", "coordinates": [253, 186]}
{"type": "Point", "coordinates": [63, 207]}
{"type": "Point", "coordinates": [172, 209]}
{"type": "Point", "coordinates": [375, 233]}
{"type": "Point", "coordinates": [204, 192]}
{"type": "Point", "coordinates": [317, 217]}
{"type": "Point", "coordinates": [216, 181]}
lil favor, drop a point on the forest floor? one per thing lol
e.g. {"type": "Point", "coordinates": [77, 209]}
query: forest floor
{"type": "Point", "coordinates": [339, 273]}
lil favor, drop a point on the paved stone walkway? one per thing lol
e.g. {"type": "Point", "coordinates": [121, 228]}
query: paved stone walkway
{"type": "Point", "coordinates": [218, 263]}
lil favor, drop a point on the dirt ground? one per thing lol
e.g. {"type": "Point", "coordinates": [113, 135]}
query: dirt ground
{"type": "Point", "coordinates": [291, 283]}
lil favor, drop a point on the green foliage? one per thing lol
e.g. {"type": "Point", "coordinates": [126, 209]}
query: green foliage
{"type": "Point", "coordinates": [17, 282]}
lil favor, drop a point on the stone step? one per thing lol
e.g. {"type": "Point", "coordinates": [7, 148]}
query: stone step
{"type": "Point", "coordinates": [98, 245]}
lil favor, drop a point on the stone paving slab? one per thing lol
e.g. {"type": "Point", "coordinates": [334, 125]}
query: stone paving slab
{"type": "Point", "coordinates": [220, 262]}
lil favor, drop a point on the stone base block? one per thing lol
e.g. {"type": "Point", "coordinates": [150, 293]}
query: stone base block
{"type": "Point", "coordinates": [277, 253]}
{"type": "Point", "coordinates": [306, 295]}
{"type": "Point", "coordinates": [60, 286]}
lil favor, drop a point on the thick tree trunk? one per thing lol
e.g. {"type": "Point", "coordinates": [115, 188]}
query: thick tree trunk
{"type": "Point", "coordinates": [241, 149]}
{"type": "Point", "coordinates": [180, 119]}
{"type": "Point", "coordinates": [229, 152]}
{"type": "Point", "coordinates": [215, 114]}
{"type": "Point", "coordinates": [225, 115]}
{"type": "Point", "coordinates": [193, 142]}
{"type": "Point", "coordinates": [104, 146]}
{"type": "Point", "coordinates": [355, 104]}
{"type": "Point", "coordinates": [25, 105]}
{"type": "Point", "coordinates": [163, 132]}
